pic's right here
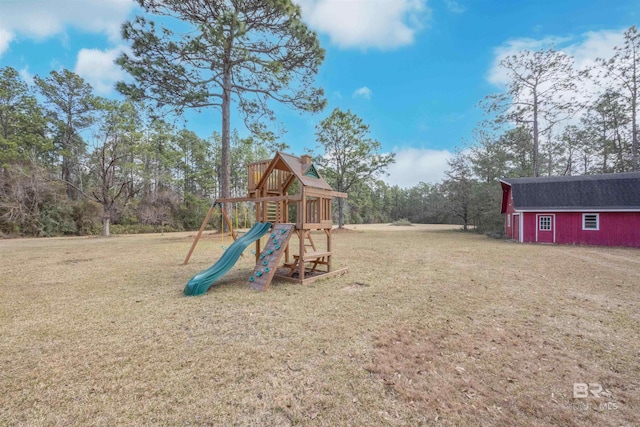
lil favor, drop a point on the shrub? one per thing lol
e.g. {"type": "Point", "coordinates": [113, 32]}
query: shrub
{"type": "Point", "coordinates": [87, 217]}
{"type": "Point", "coordinates": [402, 221]}
{"type": "Point", "coordinates": [495, 234]}
{"type": "Point", "coordinates": [27, 202]}
{"type": "Point", "coordinates": [56, 219]}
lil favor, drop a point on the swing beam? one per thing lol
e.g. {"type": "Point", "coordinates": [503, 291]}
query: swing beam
{"type": "Point", "coordinates": [204, 224]}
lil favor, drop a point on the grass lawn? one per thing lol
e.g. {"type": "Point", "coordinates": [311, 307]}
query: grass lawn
{"type": "Point", "coordinates": [429, 327]}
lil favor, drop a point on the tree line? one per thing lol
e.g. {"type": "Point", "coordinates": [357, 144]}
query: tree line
{"type": "Point", "coordinates": [552, 119]}
{"type": "Point", "coordinates": [72, 162]}
{"type": "Point", "coordinates": [90, 157]}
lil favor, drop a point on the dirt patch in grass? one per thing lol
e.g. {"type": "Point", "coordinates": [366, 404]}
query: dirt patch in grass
{"type": "Point", "coordinates": [355, 287]}
{"type": "Point", "coordinates": [491, 373]}
{"type": "Point", "coordinates": [429, 327]}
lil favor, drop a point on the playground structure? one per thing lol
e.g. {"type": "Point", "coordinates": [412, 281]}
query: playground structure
{"type": "Point", "coordinates": [290, 195]}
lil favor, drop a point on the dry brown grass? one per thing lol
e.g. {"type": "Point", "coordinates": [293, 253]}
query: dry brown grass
{"type": "Point", "coordinates": [430, 327]}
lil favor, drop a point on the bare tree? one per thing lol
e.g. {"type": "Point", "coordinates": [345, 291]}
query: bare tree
{"type": "Point", "coordinates": [624, 69]}
{"type": "Point", "coordinates": [117, 138]}
{"type": "Point", "coordinates": [539, 94]}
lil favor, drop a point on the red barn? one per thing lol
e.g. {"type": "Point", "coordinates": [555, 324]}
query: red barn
{"type": "Point", "coordinates": [582, 210]}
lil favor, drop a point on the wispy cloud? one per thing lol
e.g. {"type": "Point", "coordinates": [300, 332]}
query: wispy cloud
{"type": "Point", "coordinates": [454, 6]}
{"type": "Point", "coordinates": [26, 75]}
{"type": "Point", "coordinates": [383, 24]}
{"type": "Point", "coordinates": [584, 49]}
{"type": "Point", "coordinates": [500, 77]}
{"type": "Point", "coordinates": [38, 20]}
{"type": "Point", "coordinates": [99, 69]}
{"type": "Point", "coordinates": [414, 165]}
{"type": "Point", "coordinates": [5, 39]}
{"type": "Point", "coordinates": [453, 117]}
{"type": "Point", "coordinates": [363, 92]}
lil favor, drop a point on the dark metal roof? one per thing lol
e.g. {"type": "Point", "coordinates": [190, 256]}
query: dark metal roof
{"type": "Point", "coordinates": [584, 192]}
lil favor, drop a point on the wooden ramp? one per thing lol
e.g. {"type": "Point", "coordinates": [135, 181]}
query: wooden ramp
{"type": "Point", "coordinates": [270, 257]}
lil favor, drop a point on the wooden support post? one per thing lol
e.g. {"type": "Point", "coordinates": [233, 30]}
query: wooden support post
{"type": "Point", "coordinates": [258, 210]}
{"type": "Point", "coordinates": [329, 248]}
{"type": "Point", "coordinates": [287, 252]}
{"type": "Point", "coordinates": [301, 255]}
{"type": "Point", "coordinates": [202, 227]}
{"type": "Point", "coordinates": [302, 214]}
{"type": "Point", "coordinates": [286, 211]}
{"type": "Point", "coordinates": [227, 220]}
{"type": "Point", "coordinates": [265, 208]}
{"type": "Point", "coordinates": [302, 209]}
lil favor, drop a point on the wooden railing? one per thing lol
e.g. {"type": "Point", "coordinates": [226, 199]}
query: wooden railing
{"type": "Point", "coordinates": [275, 182]}
{"type": "Point", "coordinates": [318, 210]}
{"type": "Point", "coordinates": [256, 170]}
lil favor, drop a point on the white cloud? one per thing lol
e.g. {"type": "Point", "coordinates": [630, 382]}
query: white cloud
{"type": "Point", "coordinates": [584, 50]}
{"type": "Point", "coordinates": [38, 20]}
{"type": "Point", "coordinates": [415, 165]}
{"type": "Point", "coordinates": [499, 76]}
{"type": "Point", "coordinates": [26, 75]}
{"type": "Point", "coordinates": [98, 68]}
{"type": "Point", "coordinates": [5, 38]}
{"type": "Point", "coordinates": [595, 44]}
{"type": "Point", "coordinates": [454, 6]}
{"type": "Point", "coordinates": [381, 24]}
{"type": "Point", "coordinates": [363, 92]}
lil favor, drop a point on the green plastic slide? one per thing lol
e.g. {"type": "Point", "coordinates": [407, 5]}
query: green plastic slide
{"type": "Point", "coordinates": [201, 282]}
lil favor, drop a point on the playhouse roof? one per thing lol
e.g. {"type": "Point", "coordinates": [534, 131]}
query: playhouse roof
{"type": "Point", "coordinates": [584, 192]}
{"type": "Point", "coordinates": [306, 173]}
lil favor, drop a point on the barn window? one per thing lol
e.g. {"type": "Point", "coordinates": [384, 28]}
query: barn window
{"type": "Point", "coordinates": [508, 220]}
{"type": "Point", "coordinates": [545, 223]}
{"type": "Point", "coordinates": [591, 221]}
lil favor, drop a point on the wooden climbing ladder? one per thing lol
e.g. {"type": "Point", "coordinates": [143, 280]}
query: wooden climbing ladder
{"type": "Point", "coordinates": [269, 259]}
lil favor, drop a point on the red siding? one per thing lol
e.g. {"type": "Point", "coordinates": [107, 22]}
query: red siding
{"type": "Point", "coordinates": [507, 208]}
{"type": "Point", "coordinates": [529, 227]}
{"type": "Point", "coordinates": [616, 228]}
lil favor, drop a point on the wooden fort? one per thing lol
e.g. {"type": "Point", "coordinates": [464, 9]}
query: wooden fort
{"type": "Point", "coordinates": [289, 192]}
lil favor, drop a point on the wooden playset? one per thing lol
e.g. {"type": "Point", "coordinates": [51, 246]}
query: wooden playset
{"type": "Point", "coordinates": [289, 193]}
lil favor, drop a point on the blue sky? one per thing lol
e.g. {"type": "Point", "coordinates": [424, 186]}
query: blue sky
{"type": "Point", "coordinates": [414, 70]}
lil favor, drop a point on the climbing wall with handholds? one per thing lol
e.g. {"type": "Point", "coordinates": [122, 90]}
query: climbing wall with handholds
{"type": "Point", "coordinates": [270, 257]}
